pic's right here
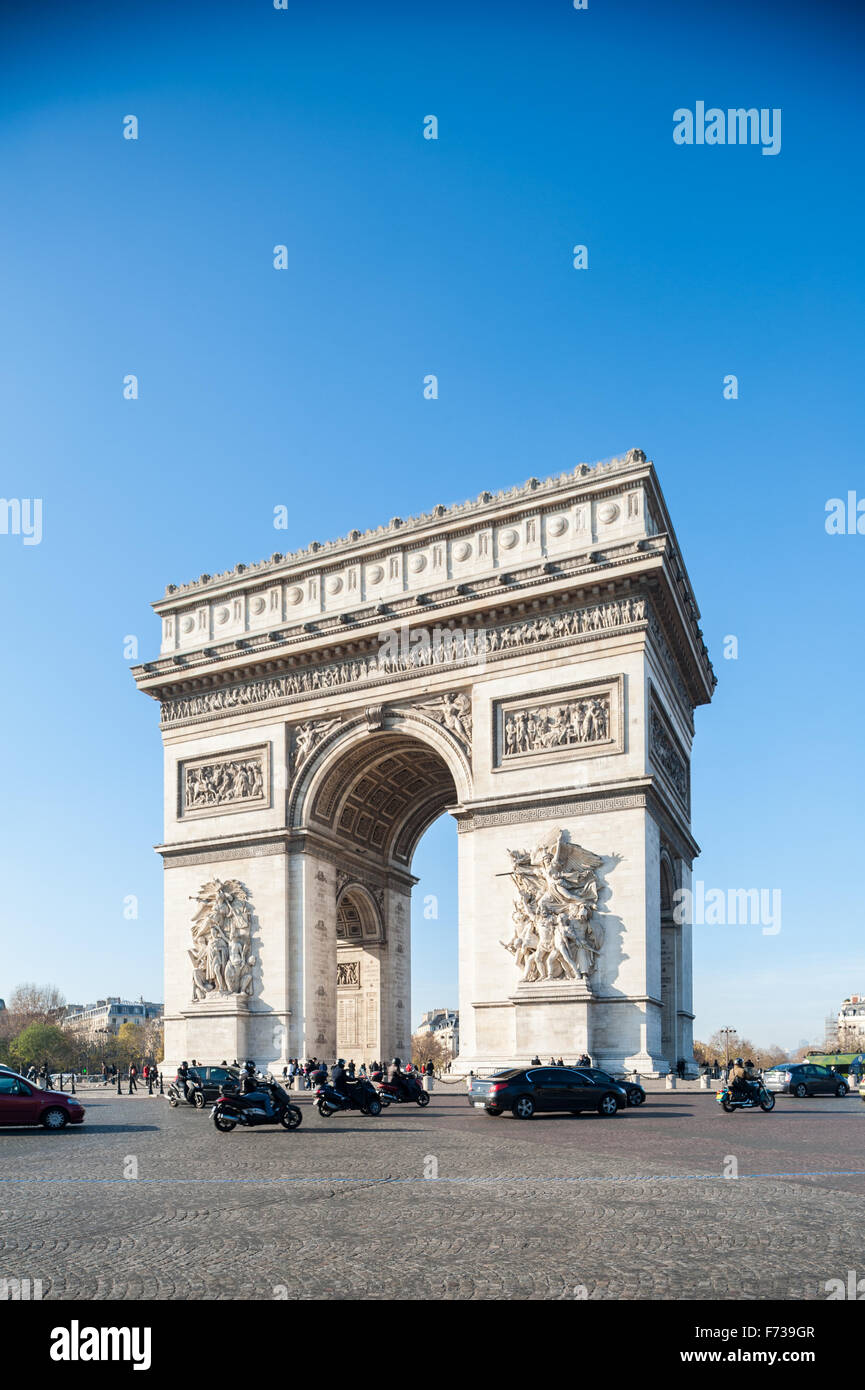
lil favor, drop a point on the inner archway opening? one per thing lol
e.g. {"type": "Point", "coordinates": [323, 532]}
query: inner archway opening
{"type": "Point", "coordinates": [435, 943]}
{"type": "Point", "coordinates": [374, 804]}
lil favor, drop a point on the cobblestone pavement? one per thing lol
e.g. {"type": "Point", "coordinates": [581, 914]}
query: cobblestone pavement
{"type": "Point", "coordinates": [631, 1207]}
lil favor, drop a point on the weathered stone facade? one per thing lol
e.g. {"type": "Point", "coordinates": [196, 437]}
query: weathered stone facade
{"type": "Point", "coordinates": [530, 662]}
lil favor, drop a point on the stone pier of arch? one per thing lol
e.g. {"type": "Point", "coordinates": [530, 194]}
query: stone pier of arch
{"type": "Point", "coordinates": [529, 663]}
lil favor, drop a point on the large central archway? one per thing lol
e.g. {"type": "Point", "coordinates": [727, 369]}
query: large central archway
{"type": "Point", "coordinates": [363, 803]}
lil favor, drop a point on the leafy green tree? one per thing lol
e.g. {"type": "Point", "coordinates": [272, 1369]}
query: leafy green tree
{"type": "Point", "coordinates": [42, 1042]}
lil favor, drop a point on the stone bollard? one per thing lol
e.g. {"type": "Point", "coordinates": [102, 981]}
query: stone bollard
{"type": "Point", "coordinates": [428, 1082]}
{"type": "Point", "coordinates": [704, 1082]}
{"type": "Point", "coordinates": [670, 1081]}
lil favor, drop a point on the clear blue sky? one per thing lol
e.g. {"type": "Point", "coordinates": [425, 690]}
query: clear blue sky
{"type": "Point", "coordinates": [304, 387]}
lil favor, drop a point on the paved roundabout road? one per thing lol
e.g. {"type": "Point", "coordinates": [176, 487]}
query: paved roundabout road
{"type": "Point", "coordinates": [148, 1202]}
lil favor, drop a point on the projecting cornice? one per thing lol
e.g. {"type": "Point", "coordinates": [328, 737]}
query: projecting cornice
{"type": "Point", "coordinates": [579, 538]}
{"type": "Point", "coordinates": [407, 531]}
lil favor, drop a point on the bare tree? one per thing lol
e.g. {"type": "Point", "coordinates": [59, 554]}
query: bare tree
{"type": "Point", "coordinates": [31, 1003]}
{"type": "Point", "coordinates": [425, 1047]}
{"type": "Point", "coordinates": [766, 1057]}
{"type": "Point", "coordinates": [716, 1048]}
{"type": "Point", "coordinates": [154, 1045]}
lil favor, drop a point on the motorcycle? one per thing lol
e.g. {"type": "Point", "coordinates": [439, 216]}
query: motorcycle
{"type": "Point", "coordinates": [756, 1096]}
{"type": "Point", "coordinates": [234, 1109]}
{"type": "Point", "coordinates": [360, 1095]}
{"type": "Point", "coordinates": [194, 1093]}
{"type": "Point", "coordinates": [409, 1089]}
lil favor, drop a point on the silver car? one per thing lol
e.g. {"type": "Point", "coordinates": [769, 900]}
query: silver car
{"type": "Point", "coordinates": [805, 1079]}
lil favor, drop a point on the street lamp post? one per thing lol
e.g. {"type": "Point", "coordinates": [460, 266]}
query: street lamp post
{"type": "Point", "coordinates": [727, 1034]}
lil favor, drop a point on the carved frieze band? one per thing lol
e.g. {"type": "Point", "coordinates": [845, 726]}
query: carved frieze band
{"type": "Point", "coordinates": [670, 663]}
{"type": "Point", "coordinates": [667, 754]}
{"type": "Point", "coordinates": [218, 784]}
{"type": "Point", "coordinates": [489, 644]}
{"type": "Point", "coordinates": [576, 721]}
{"type": "Point", "coordinates": [218, 856]}
{"type": "Point", "coordinates": [478, 820]}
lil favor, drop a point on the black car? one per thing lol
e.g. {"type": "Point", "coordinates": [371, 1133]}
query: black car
{"type": "Point", "coordinates": [524, 1091]}
{"type": "Point", "coordinates": [212, 1078]}
{"type": "Point", "coordinates": [635, 1093]}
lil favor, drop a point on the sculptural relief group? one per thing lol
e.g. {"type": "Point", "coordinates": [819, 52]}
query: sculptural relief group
{"type": "Point", "coordinates": [214, 784]}
{"type": "Point", "coordinates": [561, 725]}
{"type": "Point", "coordinates": [555, 935]}
{"type": "Point", "coordinates": [221, 959]}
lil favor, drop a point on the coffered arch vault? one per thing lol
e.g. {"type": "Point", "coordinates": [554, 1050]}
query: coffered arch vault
{"type": "Point", "coordinates": [358, 916]}
{"type": "Point", "coordinates": [378, 790]}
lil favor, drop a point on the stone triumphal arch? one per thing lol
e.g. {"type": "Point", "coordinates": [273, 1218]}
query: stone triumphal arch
{"type": "Point", "coordinates": [528, 662]}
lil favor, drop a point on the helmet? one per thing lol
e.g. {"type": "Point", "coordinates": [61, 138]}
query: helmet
{"type": "Point", "coordinates": [739, 1062]}
{"type": "Point", "coordinates": [340, 1061]}
{"type": "Point", "coordinates": [184, 1064]}
{"type": "Point", "coordinates": [249, 1066]}
{"type": "Point", "coordinates": [396, 1062]}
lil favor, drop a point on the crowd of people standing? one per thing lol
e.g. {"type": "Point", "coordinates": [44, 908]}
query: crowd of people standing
{"type": "Point", "coordinates": [314, 1072]}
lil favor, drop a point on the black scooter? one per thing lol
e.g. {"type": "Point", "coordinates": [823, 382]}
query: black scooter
{"type": "Point", "coordinates": [407, 1089]}
{"type": "Point", "coordinates": [194, 1093]}
{"type": "Point", "coordinates": [234, 1109]}
{"type": "Point", "coordinates": [360, 1095]}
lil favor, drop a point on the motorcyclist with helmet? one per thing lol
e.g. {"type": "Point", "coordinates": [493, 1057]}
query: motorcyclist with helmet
{"type": "Point", "coordinates": [752, 1078]}
{"type": "Point", "coordinates": [339, 1079]}
{"type": "Point", "coordinates": [396, 1078]}
{"type": "Point", "coordinates": [251, 1087]}
{"type": "Point", "coordinates": [182, 1078]}
{"type": "Point", "coordinates": [738, 1080]}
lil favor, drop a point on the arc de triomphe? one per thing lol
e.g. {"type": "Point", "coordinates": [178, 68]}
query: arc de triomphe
{"type": "Point", "coordinates": [529, 662]}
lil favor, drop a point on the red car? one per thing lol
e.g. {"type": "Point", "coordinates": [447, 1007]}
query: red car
{"type": "Point", "coordinates": [22, 1103]}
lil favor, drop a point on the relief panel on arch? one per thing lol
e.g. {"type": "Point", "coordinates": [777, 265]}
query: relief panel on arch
{"type": "Point", "coordinates": [221, 783]}
{"type": "Point", "coordinates": [585, 720]}
{"type": "Point", "coordinates": [666, 752]}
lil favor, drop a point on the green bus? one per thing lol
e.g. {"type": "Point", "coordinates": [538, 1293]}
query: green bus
{"type": "Point", "coordinates": [841, 1061]}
